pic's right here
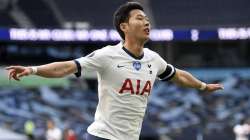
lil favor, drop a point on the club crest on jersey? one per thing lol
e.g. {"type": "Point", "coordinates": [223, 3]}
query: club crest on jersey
{"type": "Point", "coordinates": [137, 65]}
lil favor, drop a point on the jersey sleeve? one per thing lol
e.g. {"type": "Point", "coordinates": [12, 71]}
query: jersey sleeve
{"type": "Point", "coordinates": [95, 61]}
{"type": "Point", "coordinates": [165, 71]}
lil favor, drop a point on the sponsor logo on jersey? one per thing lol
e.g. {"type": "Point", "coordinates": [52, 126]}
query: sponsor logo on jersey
{"type": "Point", "coordinates": [135, 87]}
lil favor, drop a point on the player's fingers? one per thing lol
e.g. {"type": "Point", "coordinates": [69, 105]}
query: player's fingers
{"type": "Point", "coordinates": [219, 86]}
{"type": "Point", "coordinates": [15, 77]}
{"type": "Point", "coordinates": [10, 76]}
{"type": "Point", "coordinates": [11, 72]}
{"type": "Point", "coordinates": [8, 68]}
{"type": "Point", "coordinates": [12, 67]}
{"type": "Point", "coordinates": [22, 74]}
{"type": "Point", "coordinates": [17, 68]}
{"type": "Point", "coordinates": [214, 87]}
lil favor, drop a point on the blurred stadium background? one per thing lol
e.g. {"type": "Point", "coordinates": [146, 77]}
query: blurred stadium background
{"type": "Point", "coordinates": [210, 39]}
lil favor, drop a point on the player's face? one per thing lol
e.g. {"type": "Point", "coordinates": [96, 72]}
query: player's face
{"type": "Point", "coordinates": [138, 25]}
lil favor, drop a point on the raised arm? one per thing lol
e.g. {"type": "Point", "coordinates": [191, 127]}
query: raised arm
{"type": "Point", "coordinates": [51, 70]}
{"type": "Point", "coordinates": [185, 79]}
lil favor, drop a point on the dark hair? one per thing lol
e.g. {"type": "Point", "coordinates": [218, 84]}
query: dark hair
{"type": "Point", "coordinates": [122, 15]}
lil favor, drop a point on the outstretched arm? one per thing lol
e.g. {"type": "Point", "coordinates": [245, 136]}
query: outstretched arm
{"type": "Point", "coordinates": [185, 79]}
{"type": "Point", "coordinates": [51, 70]}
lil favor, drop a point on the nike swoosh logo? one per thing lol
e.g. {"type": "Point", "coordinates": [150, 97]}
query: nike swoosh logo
{"type": "Point", "coordinates": [120, 66]}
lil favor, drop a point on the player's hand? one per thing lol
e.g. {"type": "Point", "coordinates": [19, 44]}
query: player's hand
{"type": "Point", "coordinates": [213, 87]}
{"type": "Point", "coordinates": [16, 72]}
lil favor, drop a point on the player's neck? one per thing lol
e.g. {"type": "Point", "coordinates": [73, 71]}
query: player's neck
{"type": "Point", "coordinates": [135, 47]}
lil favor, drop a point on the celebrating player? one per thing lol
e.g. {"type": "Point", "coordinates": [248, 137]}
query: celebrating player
{"type": "Point", "coordinates": [126, 74]}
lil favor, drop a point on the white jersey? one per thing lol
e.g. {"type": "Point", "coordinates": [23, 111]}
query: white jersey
{"type": "Point", "coordinates": [54, 134]}
{"type": "Point", "coordinates": [241, 131]}
{"type": "Point", "coordinates": [125, 82]}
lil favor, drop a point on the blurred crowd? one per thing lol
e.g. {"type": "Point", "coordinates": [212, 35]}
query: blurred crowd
{"type": "Point", "coordinates": [67, 111]}
{"type": "Point", "coordinates": [172, 108]}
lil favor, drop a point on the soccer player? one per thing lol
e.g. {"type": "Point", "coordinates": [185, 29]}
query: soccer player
{"type": "Point", "coordinates": [126, 74]}
{"type": "Point", "coordinates": [53, 132]}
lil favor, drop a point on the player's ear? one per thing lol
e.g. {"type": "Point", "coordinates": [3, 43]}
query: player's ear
{"type": "Point", "coordinates": [123, 27]}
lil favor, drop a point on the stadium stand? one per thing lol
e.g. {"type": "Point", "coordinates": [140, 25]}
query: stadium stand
{"type": "Point", "coordinates": [40, 13]}
{"type": "Point", "coordinates": [6, 20]}
{"type": "Point", "coordinates": [200, 14]}
{"type": "Point", "coordinates": [101, 13]}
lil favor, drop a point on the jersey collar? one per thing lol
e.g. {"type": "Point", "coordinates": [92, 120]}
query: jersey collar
{"type": "Point", "coordinates": [132, 55]}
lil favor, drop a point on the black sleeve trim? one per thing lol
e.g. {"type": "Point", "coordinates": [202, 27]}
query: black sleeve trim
{"type": "Point", "coordinates": [168, 73]}
{"type": "Point", "coordinates": [79, 69]}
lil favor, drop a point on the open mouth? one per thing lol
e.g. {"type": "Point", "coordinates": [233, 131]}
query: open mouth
{"type": "Point", "coordinates": [146, 30]}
